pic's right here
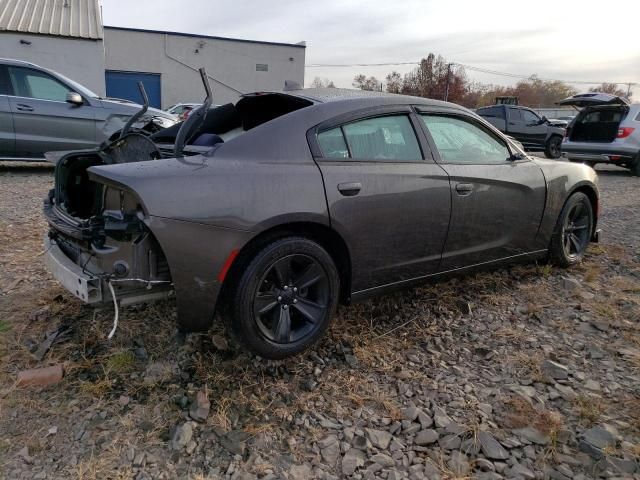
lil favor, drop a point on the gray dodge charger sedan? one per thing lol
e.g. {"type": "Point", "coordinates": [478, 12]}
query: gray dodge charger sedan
{"type": "Point", "coordinates": [271, 211]}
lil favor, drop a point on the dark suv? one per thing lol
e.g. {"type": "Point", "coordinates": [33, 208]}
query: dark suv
{"type": "Point", "coordinates": [43, 111]}
{"type": "Point", "coordinates": [535, 133]}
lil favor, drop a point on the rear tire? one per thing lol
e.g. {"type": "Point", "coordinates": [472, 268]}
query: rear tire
{"type": "Point", "coordinates": [572, 233]}
{"type": "Point", "coordinates": [284, 298]}
{"type": "Point", "coordinates": [552, 147]}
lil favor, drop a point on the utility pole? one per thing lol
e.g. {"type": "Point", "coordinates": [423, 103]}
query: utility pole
{"type": "Point", "coordinates": [446, 87]}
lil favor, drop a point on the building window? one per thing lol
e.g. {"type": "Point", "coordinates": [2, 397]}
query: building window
{"type": "Point", "coordinates": [262, 67]}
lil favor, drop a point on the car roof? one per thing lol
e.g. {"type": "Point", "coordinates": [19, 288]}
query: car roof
{"type": "Point", "coordinates": [359, 98]}
{"type": "Point", "coordinates": [12, 61]}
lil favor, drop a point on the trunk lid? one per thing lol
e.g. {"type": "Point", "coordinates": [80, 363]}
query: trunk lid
{"type": "Point", "coordinates": [593, 99]}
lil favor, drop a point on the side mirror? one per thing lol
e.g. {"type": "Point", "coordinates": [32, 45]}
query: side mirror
{"type": "Point", "coordinates": [544, 120]}
{"type": "Point", "coordinates": [517, 156]}
{"type": "Point", "coordinates": [74, 98]}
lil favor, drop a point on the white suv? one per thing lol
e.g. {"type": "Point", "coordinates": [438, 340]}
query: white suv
{"type": "Point", "coordinates": [606, 130]}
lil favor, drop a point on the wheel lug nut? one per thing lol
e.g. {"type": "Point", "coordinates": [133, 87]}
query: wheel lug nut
{"type": "Point", "coordinates": [286, 287]}
{"type": "Point", "coordinates": [285, 307]}
{"type": "Point", "coordinates": [295, 300]}
{"type": "Point", "coordinates": [295, 289]}
{"type": "Point", "coordinates": [279, 299]}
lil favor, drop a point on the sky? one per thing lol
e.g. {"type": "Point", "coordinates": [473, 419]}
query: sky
{"type": "Point", "coordinates": [561, 39]}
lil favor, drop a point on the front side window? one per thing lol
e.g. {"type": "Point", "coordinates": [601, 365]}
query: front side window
{"type": "Point", "coordinates": [34, 84]}
{"type": "Point", "coordinates": [460, 141]}
{"type": "Point", "coordinates": [530, 117]}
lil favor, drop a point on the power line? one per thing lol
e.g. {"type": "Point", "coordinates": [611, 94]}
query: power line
{"type": "Point", "coordinates": [468, 67]}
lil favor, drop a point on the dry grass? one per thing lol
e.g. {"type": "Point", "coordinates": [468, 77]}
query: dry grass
{"type": "Point", "coordinates": [520, 413]}
{"type": "Point", "coordinates": [589, 409]}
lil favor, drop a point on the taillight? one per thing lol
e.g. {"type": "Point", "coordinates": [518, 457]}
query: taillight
{"type": "Point", "coordinates": [624, 132]}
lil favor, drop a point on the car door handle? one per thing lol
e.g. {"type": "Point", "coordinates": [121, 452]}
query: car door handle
{"type": "Point", "coordinates": [350, 189]}
{"type": "Point", "coordinates": [24, 108]}
{"type": "Point", "coordinates": [464, 189]}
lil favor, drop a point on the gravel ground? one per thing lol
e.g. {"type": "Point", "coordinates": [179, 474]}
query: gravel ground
{"type": "Point", "coordinates": [530, 372]}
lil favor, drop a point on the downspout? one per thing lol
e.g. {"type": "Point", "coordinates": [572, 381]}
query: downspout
{"type": "Point", "coordinates": [177, 60]}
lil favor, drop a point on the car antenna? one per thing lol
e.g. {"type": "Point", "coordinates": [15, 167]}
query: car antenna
{"type": "Point", "coordinates": [135, 117]}
{"type": "Point", "coordinates": [195, 118]}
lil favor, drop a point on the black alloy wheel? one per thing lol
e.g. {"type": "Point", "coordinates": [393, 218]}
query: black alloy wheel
{"type": "Point", "coordinates": [291, 299]}
{"type": "Point", "coordinates": [576, 231]}
{"type": "Point", "coordinates": [285, 295]}
{"type": "Point", "coordinates": [573, 231]}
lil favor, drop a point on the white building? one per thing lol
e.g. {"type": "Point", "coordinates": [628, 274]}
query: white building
{"type": "Point", "coordinates": [168, 62]}
{"type": "Point", "coordinates": [63, 35]}
{"type": "Point", "coordinates": [68, 36]}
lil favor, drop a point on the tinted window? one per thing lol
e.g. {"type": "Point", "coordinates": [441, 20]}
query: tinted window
{"type": "Point", "coordinates": [460, 141]}
{"type": "Point", "coordinates": [494, 112]}
{"type": "Point", "coordinates": [515, 115]}
{"type": "Point", "coordinates": [34, 84]}
{"type": "Point", "coordinates": [332, 144]}
{"type": "Point", "coordinates": [383, 138]}
{"type": "Point", "coordinates": [530, 117]}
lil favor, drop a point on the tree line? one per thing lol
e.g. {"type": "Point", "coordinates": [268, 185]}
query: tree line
{"type": "Point", "coordinates": [436, 78]}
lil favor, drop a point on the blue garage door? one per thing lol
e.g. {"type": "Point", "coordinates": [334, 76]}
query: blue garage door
{"type": "Point", "coordinates": [125, 85]}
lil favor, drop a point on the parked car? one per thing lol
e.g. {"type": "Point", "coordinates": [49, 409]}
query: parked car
{"type": "Point", "coordinates": [42, 110]}
{"type": "Point", "coordinates": [287, 203]}
{"type": "Point", "coordinates": [607, 130]}
{"type": "Point", "coordinates": [180, 108]}
{"type": "Point", "coordinates": [526, 126]}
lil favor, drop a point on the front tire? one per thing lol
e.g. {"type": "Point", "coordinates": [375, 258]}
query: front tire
{"type": "Point", "coordinates": [573, 229]}
{"type": "Point", "coordinates": [284, 299]}
{"type": "Point", "coordinates": [552, 147]}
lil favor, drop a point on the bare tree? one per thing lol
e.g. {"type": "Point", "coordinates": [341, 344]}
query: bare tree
{"type": "Point", "coordinates": [611, 88]}
{"type": "Point", "coordinates": [322, 83]}
{"type": "Point", "coordinates": [364, 83]}
{"type": "Point", "coordinates": [394, 82]}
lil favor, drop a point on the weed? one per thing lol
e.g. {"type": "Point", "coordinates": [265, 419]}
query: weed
{"type": "Point", "coordinates": [589, 409]}
{"type": "Point", "coordinates": [121, 362]}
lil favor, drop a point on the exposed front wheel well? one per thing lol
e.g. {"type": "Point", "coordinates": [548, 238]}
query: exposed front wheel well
{"type": "Point", "coordinates": [328, 238]}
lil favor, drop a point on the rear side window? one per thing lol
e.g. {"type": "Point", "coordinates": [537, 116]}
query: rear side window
{"type": "Point", "coordinates": [388, 138]}
{"type": "Point", "coordinates": [461, 141]}
{"type": "Point", "coordinates": [638, 117]}
{"type": "Point", "coordinates": [34, 84]}
{"type": "Point", "coordinates": [332, 144]}
{"type": "Point", "coordinates": [492, 112]}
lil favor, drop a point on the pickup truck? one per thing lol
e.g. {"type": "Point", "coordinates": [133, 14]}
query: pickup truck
{"type": "Point", "coordinates": [534, 132]}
